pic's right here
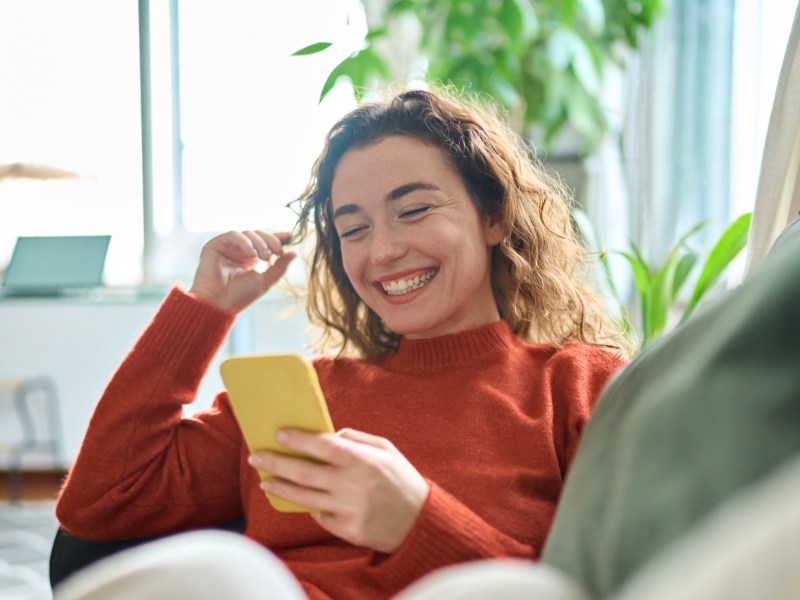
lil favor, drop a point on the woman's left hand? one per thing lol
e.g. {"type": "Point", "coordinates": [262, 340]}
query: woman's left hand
{"type": "Point", "coordinates": [366, 492]}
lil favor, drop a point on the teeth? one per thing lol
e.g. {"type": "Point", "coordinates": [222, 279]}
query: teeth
{"type": "Point", "coordinates": [404, 286]}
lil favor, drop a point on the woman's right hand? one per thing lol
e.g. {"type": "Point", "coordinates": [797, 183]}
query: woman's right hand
{"type": "Point", "coordinates": [226, 276]}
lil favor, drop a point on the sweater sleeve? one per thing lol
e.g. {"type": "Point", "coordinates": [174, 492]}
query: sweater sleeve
{"type": "Point", "coordinates": [445, 533]}
{"type": "Point", "coordinates": [142, 468]}
{"type": "Point", "coordinates": [577, 376]}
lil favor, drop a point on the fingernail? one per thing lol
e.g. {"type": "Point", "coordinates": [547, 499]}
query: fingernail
{"type": "Point", "coordinates": [281, 436]}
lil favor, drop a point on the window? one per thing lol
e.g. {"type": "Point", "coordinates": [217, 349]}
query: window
{"type": "Point", "coordinates": [70, 102]}
{"type": "Point", "coordinates": [237, 142]}
{"type": "Point", "coordinates": [236, 124]}
{"type": "Point", "coordinates": [241, 112]}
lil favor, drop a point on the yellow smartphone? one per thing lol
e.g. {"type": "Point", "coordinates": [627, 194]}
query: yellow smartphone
{"type": "Point", "coordinates": [272, 392]}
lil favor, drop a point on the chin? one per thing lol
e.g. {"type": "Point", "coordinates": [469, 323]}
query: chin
{"type": "Point", "coordinates": [404, 329]}
{"type": "Point", "coordinates": [414, 330]}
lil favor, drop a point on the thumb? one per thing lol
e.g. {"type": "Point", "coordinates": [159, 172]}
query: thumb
{"type": "Point", "coordinates": [277, 269]}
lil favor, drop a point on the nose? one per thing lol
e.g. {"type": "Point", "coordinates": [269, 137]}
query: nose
{"type": "Point", "coordinates": [387, 245]}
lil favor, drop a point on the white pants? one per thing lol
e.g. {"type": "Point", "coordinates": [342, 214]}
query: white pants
{"type": "Point", "coordinates": [209, 565]}
{"type": "Point", "coordinates": [747, 549]}
{"type": "Point", "coordinates": [199, 565]}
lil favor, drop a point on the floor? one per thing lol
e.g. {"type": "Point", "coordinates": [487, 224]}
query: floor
{"type": "Point", "coordinates": [27, 528]}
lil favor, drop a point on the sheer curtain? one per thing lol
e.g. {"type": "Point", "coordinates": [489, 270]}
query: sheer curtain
{"type": "Point", "coordinates": [677, 132]}
{"type": "Point", "coordinates": [778, 195]}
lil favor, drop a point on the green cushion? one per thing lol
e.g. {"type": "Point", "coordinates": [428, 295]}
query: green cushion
{"type": "Point", "coordinates": [707, 410]}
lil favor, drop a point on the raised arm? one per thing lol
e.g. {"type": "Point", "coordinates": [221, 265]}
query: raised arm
{"type": "Point", "coordinates": [143, 468]}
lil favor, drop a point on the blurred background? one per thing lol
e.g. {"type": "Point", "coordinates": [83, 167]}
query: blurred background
{"type": "Point", "coordinates": [163, 123]}
{"type": "Point", "coordinates": [180, 120]}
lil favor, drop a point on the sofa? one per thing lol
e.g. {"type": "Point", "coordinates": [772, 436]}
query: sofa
{"type": "Point", "coordinates": [693, 433]}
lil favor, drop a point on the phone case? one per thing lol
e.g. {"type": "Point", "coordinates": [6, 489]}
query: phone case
{"type": "Point", "coordinates": [272, 392]}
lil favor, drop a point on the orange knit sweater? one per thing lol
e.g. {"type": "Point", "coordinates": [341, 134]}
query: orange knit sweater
{"type": "Point", "coordinates": [492, 423]}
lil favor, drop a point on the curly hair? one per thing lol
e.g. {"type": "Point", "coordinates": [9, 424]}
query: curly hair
{"type": "Point", "coordinates": [540, 268]}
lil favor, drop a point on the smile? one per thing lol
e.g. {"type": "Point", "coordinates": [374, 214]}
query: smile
{"type": "Point", "coordinates": [404, 286]}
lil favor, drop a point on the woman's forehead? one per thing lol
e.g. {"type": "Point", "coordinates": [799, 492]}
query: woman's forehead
{"type": "Point", "coordinates": [391, 162]}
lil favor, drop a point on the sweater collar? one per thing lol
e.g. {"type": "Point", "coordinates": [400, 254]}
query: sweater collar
{"type": "Point", "coordinates": [451, 350]}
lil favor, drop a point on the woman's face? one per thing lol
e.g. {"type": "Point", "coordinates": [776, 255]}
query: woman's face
{"type": "Point", "coordinates": [414, 245]}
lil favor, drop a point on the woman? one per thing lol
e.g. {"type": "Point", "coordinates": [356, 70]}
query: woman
{"type": "Point", "coordinates": [467, 356]}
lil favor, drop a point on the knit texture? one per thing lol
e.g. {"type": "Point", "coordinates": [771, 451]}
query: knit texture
{"type": "Point", "coordinates": [490, 421]}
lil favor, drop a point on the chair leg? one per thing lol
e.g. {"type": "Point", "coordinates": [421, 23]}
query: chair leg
{"type": "Point", "coordinates": [22, 392]}
{"type": "Point", "coordinates": [15, 477]}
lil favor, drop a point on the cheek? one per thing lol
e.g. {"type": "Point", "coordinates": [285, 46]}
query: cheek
{"type": "Point", "coordinates": [351, 265]}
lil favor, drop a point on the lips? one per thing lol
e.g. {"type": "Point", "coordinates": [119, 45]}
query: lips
{"type": "Point", "coordinates": [405, 285]}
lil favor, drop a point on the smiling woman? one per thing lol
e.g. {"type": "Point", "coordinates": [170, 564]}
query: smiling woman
{"type": "Point", "coordinates": [445, 271]}
{"type": "Point", "coordinates": [411, 196]}
{"type": "Point", "coordinates": [423, 166]}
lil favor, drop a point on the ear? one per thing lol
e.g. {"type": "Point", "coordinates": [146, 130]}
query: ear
{"type": "Point", "coordinates": [494, 229]}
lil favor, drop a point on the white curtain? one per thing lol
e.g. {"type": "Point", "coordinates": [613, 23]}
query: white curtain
{"type": "Point", "coordinates": [778, 196]}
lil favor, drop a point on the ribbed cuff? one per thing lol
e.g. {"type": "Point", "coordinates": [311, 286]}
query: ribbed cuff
{"type": "Point", "coordinates": [445, 533]}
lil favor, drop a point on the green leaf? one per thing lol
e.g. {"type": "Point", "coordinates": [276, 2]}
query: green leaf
{"type": "Point", "coordinates": [346, 68]}
{"type": "Point", "coordinates": [640, 270]}
{"type": "Point", "coordinates": [591, 242]}
{"type": "Point", "coordinates": [474, 21]}
{"type": "Point", "coordinates": [658, 288]}
{"type": "Point", "coordinates": [512, 25]}
{"type": "Point", "coordinates": [508, 65]}
{"type": "Point", "coordinates": [358, 68]}
{"type": "Point", "coordinates": [586, 69]}
{"type": "Point", "coordinates": [662, 288]}
{"type": "Point", "coordinates": [502, 90]}
{"type": "Point", "coordinates": [312, 49]}
{"type": "Point", "coordinates": [640, 257]}
{"type": "Point", "coordinates": [685, 266]}
{"type": "Point", "coordinates": [580, 108]}
{"type": "Point", "coordinates": [567, 10]}
{"type": "Point", "coordinates": [641, 281]}
{"type": "Point", "coordinates": [373, 34]}
{"type": "Point", "coordinates": [399, 6]}
{"type": "Point", "coordinates": [559, 48]}
{"type": "Point", "coordinates": [531, 26]}
{"type": "Point", "coordinates": [731, 242]}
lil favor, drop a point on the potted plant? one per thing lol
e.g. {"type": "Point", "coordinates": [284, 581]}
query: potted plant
{"type": "Point", "coordinates": [659, 285]}
{"type": "Point", "coordinates": [543, 60]}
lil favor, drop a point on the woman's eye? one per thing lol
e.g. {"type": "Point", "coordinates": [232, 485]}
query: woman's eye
{"type": "Point", "coordinates": [351, 232]}
{"type": "Point", "coordinates": [415, 211]}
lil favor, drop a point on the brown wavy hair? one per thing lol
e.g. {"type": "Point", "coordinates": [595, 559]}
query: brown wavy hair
{"type": "Point", "coordinates": [540, 268]}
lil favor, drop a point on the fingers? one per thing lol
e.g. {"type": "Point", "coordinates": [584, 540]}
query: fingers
{"type": "Point", "coordinates": [312, 499]}
{"type": "Point", "coordinates": [294, 469]}
{"type": "Point", "coordinates": [259, 244]}
{"type": "Point", "coordinates": [277, 269]}
{"type": "Point", "coordinates": [341, 449]}
{"type": "Point", "coordinates": [266, 244]}
{"type": "Point", "coordinates": [364, 438]}
{"type": "Point", "coordinates": [233, 245]}
{"type": "Point", "coordinates": [285, 237]}
{"type": "Point", "coordinates": [298, 480]}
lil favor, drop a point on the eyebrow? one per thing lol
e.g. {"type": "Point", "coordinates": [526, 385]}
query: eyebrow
{"type": "Point", "coordinates": [395, 194]}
